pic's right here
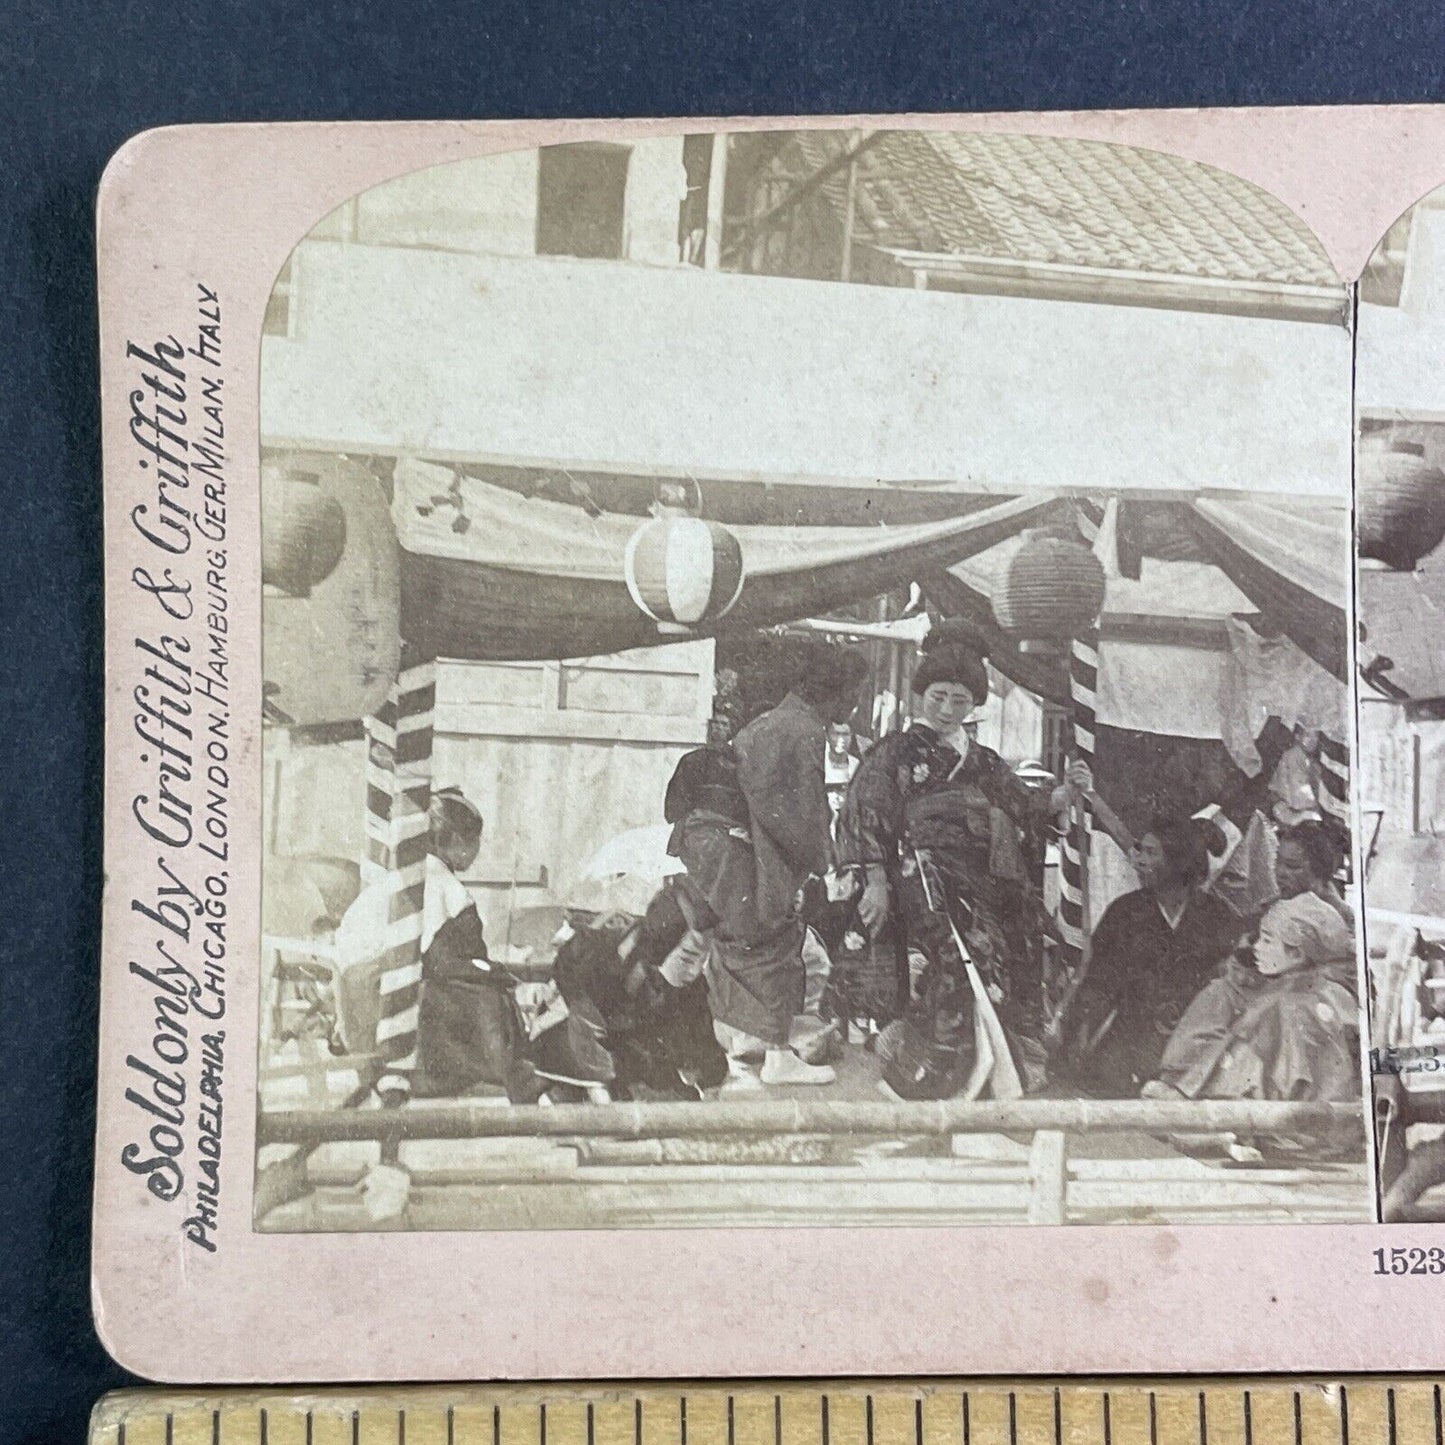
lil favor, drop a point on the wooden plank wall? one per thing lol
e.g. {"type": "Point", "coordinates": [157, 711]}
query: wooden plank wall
{"type": "Point", "coordinates": [559, 757]}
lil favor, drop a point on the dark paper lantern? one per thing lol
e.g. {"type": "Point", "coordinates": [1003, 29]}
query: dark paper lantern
{"type": "Point", "coordinates": [303, 531]}
{"type": "Point", "coordinates": [683, 571]}
{"type": "Point", "coordinates": [1051, 591]}
{"type": "Point", "coordinates": [1399, 503]}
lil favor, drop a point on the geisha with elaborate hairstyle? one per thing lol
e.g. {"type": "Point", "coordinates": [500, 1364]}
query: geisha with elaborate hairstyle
{"type": "Point", "coordinates": [937, 829]}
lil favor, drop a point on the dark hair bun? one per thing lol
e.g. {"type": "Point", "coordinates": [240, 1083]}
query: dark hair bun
{"type": "Point", "coordinates": [956, 632]}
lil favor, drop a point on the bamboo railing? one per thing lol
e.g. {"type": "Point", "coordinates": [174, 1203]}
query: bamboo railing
{"type": "Point", "coordinates": [470, 1119]}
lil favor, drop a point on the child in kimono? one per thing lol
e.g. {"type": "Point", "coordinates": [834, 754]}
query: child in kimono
{"type": "Point", "coordinates": [469, 1029]}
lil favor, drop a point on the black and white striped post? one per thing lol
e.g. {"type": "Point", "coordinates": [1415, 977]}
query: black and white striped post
{"type": "Point", "coordinates": [398, 797]}
{"type": "Point", "coordinates": [1074, 847]}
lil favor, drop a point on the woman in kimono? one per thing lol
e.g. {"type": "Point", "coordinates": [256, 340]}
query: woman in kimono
{"type": "Point", "coordinates": [469, 1030]}
{"type": "Point", "coordinates": [936, 827]}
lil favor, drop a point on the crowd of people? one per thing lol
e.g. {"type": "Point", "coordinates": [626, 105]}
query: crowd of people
{"type": "Point", "coordinates": [800, 858]}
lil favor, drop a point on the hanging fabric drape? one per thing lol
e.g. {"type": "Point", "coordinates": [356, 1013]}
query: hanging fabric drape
{"type": "Point", "coordinates": [1292, 560]}
{"type": "Point", "coordinates": [488, 574]}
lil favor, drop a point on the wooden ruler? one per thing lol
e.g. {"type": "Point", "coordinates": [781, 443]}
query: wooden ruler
{"type": "Point", "coordinates": [1361, 1410]}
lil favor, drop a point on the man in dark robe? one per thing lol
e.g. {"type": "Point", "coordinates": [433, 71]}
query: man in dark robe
{"type": "Point", "coordinates": [748, 849]}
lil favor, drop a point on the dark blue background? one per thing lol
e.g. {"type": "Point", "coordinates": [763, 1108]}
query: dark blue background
{"type": "Point", "coordinates": [81, 78]}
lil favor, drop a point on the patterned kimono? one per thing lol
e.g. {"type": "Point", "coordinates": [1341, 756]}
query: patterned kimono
{"type": "Point", "coordinates": [957, 837]}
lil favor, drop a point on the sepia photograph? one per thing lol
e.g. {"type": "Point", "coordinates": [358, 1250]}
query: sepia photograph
{"type": "Point", "coordinates": [1399, 525]}
{"type": "Point", "coordinates": [807, 682]}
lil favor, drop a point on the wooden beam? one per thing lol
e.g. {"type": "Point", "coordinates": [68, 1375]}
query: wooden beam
{"type": "Point", "coordinates": [465, 1119]}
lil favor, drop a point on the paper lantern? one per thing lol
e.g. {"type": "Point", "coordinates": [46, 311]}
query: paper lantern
{"type": "Point", "coordinates": [332, 656]}
{"type": "Point", "coordinates": [303, 530]}
{"type": "Point", "coordinates": [1399, 503]}
{"type": "Point", "coordinates": [683, 572]}
{"type": "Point", "coordinates": [1051, 591]}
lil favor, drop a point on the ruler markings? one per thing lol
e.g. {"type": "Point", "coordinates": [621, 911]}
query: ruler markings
{"type": "Point", "coordinates": [1130, 1417]}
{"type": "Point", "coordinates": [706, 1418]}
{"type": "Point", "coordinates": [802, 1417]}
{"type": "Point", "coordinates": [942, 1417]}
{"type": "Point", "coordinates": [847, 1419]}
{"type": "Point", "coordinates": [614, 1421]}
{"type": "Point", "coordinates": [1363, 1411]}
{"type": "Point", "coordinates": [989, 1416]}
{"type": "Point", "coordinates": [1320, 1415]}
{"type": "Point", "coordinates": [1033, 1416]}
{"type": "Point", "coordinates": [1370, 1411]}
{"type": "Point", "coordinates": [188, 1427]}
{"type": "Point", "coordinates": [893, 1416]}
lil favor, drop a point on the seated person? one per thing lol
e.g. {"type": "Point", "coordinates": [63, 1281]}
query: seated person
{"type": "Point", "coordinates": [635, 1026]}
{"type": "Point", "coordinates": [1150, 954]}
{"type": "Point", "coordinates": [1280, 1022]}
{"type": "Point", "coordinates": [469, 1029]}
{"type": "Point", "coordinates": [1306, 861]}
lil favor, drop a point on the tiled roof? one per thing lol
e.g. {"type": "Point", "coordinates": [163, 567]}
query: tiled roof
{"type": "Point", "coordinates": [1090, 204]}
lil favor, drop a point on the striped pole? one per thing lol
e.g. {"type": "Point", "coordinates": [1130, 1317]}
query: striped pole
{"type": "Point", "coordinates": [1074, 851]}
{"type": "Point", "coordinates": [398, 796]}
{"type": "Point", "coordinates": [1335, 778]}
